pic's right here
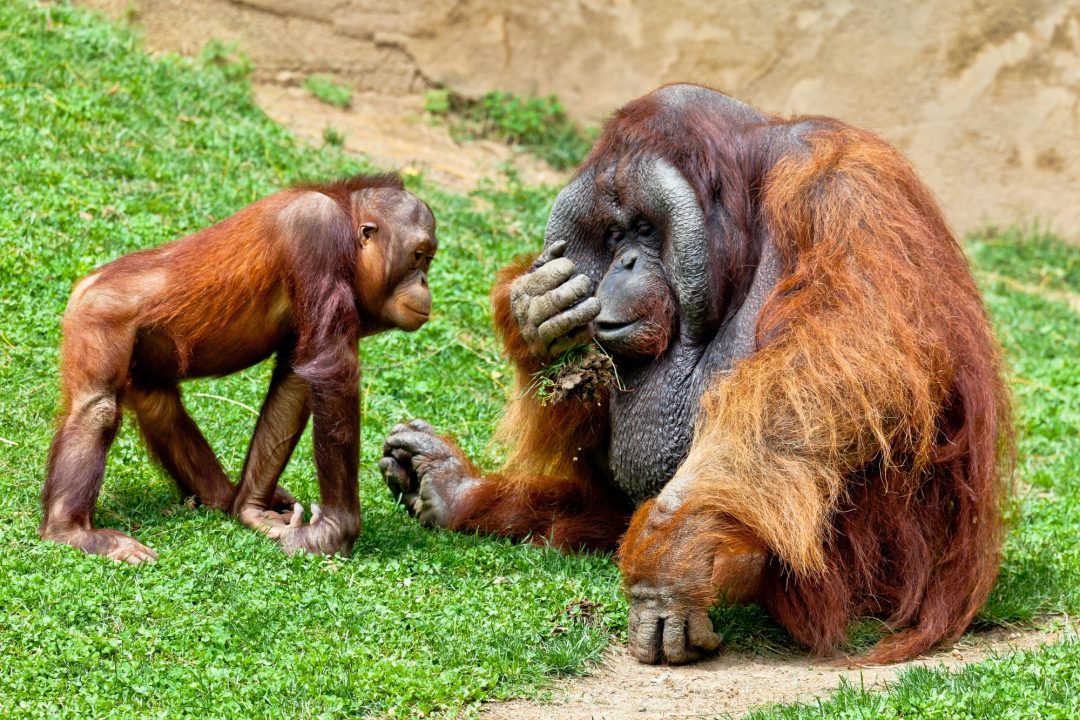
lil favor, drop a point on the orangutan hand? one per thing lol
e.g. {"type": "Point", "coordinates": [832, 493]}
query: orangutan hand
{"type": "Point", "coordinates": [424, 472]}
{"type": "Point", "coordinates": [553, 304]}
{"type": "Point", "coordinates": [665, 628]}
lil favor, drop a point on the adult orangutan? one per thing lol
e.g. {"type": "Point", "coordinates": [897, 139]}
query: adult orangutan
{"type": "Point", "coordinates": [303, 274]}
{"type": "Point", "coordinates": [811, 413]}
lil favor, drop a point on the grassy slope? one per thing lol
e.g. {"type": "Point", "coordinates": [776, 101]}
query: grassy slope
{"type": "Point", "coordinates": [104, 151]}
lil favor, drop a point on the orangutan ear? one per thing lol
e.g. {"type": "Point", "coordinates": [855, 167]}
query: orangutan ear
{"type": "Point", "coordinates": [367, 230]}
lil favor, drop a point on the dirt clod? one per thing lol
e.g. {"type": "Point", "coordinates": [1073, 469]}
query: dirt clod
{"type": "Point", "coordinates": [587, 379]}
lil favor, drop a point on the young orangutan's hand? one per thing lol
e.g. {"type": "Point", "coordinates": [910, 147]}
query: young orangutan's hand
{"type": "Point", "coordinates": [326, 533]}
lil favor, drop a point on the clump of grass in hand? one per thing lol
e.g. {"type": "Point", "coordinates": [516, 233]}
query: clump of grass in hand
{"type": "Point", "coordinates": [538, 124]}
{"type": "Point", "coordinates": [324, 88]}
{"type": "Point", "coordinates": [585, 373]}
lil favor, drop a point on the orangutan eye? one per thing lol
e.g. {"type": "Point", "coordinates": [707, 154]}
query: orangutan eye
{"type": "Point", "coordinates": [614, 237]}
{"type": "Point", "coordinates": [645, 230]}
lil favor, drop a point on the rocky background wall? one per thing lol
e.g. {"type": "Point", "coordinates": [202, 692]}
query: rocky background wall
{"type": "Point", "coordinates": [983, 96]}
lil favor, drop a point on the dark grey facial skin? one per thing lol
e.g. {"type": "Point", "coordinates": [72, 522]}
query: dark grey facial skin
{"type": "Point", "coordinates": [652, 419]}
{"type": "Point", "coordinates": [633, 291]}
{"type": "Point", "coordinates": [639, 243]}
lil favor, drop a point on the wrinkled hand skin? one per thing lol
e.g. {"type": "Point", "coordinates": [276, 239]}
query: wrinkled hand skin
{"type": "Point", "coordinates": [423, 472]}
{"type": "Point", "coordinates": [663, 628]}
{"type": "Point", "coordinates": [553, 304]}
{"type": "Point", "coordinates": [326, 534]}
{"type": "Point", "coordinates": [668, 621]}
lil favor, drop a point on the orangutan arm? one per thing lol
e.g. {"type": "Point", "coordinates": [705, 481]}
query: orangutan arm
{"type": "Point", "coordinates": [438, 484]}
{"type": "Point", "coordinates": [548, 490]}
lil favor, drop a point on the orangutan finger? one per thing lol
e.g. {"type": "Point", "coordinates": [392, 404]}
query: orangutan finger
{"type": "Point", "coordinates": [417, 444]}
{"type": "Point", "coordinates": [581, 314]}
{"type": "Point", "coordinates": [701, 633]}
{"type": "Point", "coordinates": [644, 634]}
{"type": "Point", "coordinates": [395, 476]}
{"type": "Point", "coordinates": [675, 644]}
{"type": "Point", "coordinates": [548, 277]}
{"type": "Point", "coordinates": [552, 251]}
{"type": "Point", "coordinates": [561, 298]}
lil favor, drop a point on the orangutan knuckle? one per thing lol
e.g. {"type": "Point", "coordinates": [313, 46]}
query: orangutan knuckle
{"type": "Point", "coordinates": [560, 267]}
{"type": "Point", "coordinates": [569, 293]}
{"type": "Point", "coordinates": [519, 296]}
{"type": "Point", "coordinates": [541, 309]}
{"type": "Point", "coordinates": [549, 276]}
{"type": "Point", "coordinates": [558, 300]}
{"type": "Point", "coordinates": [533, 283]}
{"type": "Point", "coordinates": [645, 595]}
{"type": "Point", "coordinates": [420, 444]}
{"type": "Point", "coordinates": [421, 426]}
{"type": "Point", "coordinates": [665, 505]}
{"type": "Point", "coordinates": [520, 302]}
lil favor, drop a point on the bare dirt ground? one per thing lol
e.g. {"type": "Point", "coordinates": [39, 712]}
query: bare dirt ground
{"type": "Point", "coordinates": [980, 94]}
{"type": "Point", "coordinates": [392, 131]}
{"type": "Point", "coordinates": [732, 684]}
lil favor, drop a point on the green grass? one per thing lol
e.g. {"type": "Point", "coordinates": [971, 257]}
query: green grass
{"type": "Point", "coordinates": [105, 151]}
{"type": "Point", "coordinates": [1033, 257]}
{"type": "Point", "coordinates": [1043, 684]}
{"type": "Point", "coordinates": [332, 136]}
{"type": "Point", "coordinates": [228, 58]}
{"type": "Point", "coordinates": [332, 93]}
{"type": "Point", "coordinates": [536, 124]}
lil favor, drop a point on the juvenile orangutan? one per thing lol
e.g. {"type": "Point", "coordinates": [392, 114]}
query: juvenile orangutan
{"type": "Point", "coordinates": [302, 274]}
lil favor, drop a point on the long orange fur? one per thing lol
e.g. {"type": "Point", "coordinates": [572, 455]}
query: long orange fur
{"type": "Point", "coordinates": [866, 444]}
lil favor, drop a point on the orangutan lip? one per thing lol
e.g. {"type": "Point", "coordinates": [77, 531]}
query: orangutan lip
{"type": "Point", "coordinates": [414, 311]}
{"type": "Point", "coordinates": [614, 330]}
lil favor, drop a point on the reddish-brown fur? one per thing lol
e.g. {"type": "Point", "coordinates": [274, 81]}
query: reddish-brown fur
{"type": "Point", "coordinates": [294, 273]}
{"type": "Point", "coordinates": [873, 421]}
{"type": "Point", "coordinates": [855, 463]}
